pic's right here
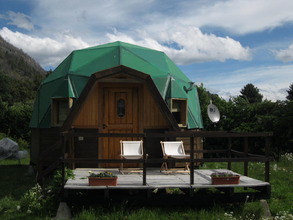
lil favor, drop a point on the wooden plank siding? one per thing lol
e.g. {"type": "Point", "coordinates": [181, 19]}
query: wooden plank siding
{"type": "Point", "coordinates": [152, 116]}
{"type": "Point", "coordinates": [88, 114]}
{"type": "Point", "coordinates": [85, 147]}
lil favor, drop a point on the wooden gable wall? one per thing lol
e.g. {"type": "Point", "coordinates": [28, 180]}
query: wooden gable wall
{"type": "Point", "coordinates": [152, 116]}
{"type": "Point", "coordinates": [88, 114]}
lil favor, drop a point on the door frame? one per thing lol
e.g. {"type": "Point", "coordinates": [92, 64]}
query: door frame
{"type": "Point", "coordinates": [139, 121]}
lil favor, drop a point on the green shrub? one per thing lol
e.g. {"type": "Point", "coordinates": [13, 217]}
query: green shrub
{"type": "Point", "coordinates": [8, 205]}
{"type": "Point", "coordinates": [252, 211]}
{"type": "Point", "coordinates": [33, 200]}
{"type": "Point", "coordinates": [23, 144]}
{"type": "Point", "coordinates": [2, 135]}
{"type": "Point", "coordinates": [44, 200]}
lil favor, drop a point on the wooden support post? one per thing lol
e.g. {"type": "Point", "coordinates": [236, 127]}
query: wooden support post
{"type": "Point", "coordinates": [63, 173]}
{"type": "Point", "coordinates": [64, 141]}
{"type": "Point", "coordinates": [149, 193]}
{"type": "Point", "coordinates": [267, 163]}
{"type": "Point", "coordinates": [40, 173]}
{"type": "Point", "coordinates": [229, 191]}
{"type": "Point", "coordinates": [71, 149]}
{"type": "Point", "coordinates": [192, 159]}
{"type": "Point", "coordinates": [63, 179]}
{"type": "Point", "coordinates": [144, 161]}
{"type": "Point", "coordinates": [229, 152]}
{"type": "Point", "coordinates": [106, 193]}
{"type": "Point", "coordinates": [246, 154]}
{"type": "Point", "coordinates": [63, 165]}
{"type": "Point", "coordinates": [191, 192]}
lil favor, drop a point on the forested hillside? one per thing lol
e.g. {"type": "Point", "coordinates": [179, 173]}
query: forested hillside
{"type": "Point", "coordinates": [20, 75]}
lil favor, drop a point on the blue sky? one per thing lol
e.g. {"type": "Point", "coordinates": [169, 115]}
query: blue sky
{"type": "Point", "coordinates": [223, 44]}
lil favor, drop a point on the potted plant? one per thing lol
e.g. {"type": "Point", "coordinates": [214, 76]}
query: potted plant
{"type": "Point", "coordinates": [220, 178]}
{"type": "Point", "coordinates": [102, 179]}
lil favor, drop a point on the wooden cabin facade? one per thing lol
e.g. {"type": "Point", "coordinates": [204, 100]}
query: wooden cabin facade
{"type": "Point", "coordinates": [120, 99]}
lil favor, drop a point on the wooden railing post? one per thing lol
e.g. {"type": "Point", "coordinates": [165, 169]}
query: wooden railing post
{"type": "Point", "coordinates": [40, 173]}
{"type": "Point", "coordinates": [144, 165]}
{"type": "Point", "coordinates": [229, 152]}
{"type": "Point", "coordinates": [192, 159]}
{"type": "Point", "coordinates": [71, 149]}
{"type": "Point", "coordinates": [246, 155]}
{"type": "Point", "coordinates": [63, 157]}
{"type": "Point", "coordinates": [267, 163]}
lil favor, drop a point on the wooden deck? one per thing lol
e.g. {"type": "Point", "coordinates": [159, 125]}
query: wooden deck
{"type": "Point", "coordinates": [160, 180]}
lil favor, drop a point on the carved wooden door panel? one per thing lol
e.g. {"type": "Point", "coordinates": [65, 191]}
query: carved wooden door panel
{"type": "Point", "coordinates": [120, 115]}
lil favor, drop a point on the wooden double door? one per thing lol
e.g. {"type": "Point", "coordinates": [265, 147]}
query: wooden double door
{"type": "Point", "coordinates": [120, 114]}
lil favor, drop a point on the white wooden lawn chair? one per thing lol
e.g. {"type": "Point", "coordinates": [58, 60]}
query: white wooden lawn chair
{"type": "Point", "coordinates": [131, 150]}
{"type": "Point", "coordinates": [173, 149]}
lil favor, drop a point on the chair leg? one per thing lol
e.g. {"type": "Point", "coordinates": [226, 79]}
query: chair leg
{"type": "Point", "coordinates": [186, 167]}
{"type": "Point", "coordinates": [164, 165]}
{"type": "Point", "coordinates": [121, 168]}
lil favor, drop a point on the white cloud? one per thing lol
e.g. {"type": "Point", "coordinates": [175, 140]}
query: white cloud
{"type": "Point", "coordinates": [194, 45]}
{"type": "Point", "coordinates": [18, 19]}
{"type": "Point", "coordinates": [47, 51]}
{"type": "Point", "coordinates": [191, 45]}
{"type": "Point", "coordinates": [90, 17]}
{"type": "Point", "coordinates": [272, 81]}
{"type": "Point", "coordinates": [285, 55]}
{"type": "Point", "coordinates": [155, 24]}
{"type": "Point", "coordinates": [240, 16]}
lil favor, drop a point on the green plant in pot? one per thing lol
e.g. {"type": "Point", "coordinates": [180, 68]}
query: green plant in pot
{"type": "Point", "coordinates": [102, 179]}
{"type": "Point", "coordinates": [221, 178]}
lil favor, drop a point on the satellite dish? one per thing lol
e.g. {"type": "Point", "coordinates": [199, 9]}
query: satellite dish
{"type": "Point", "coordinates": [213, 113]}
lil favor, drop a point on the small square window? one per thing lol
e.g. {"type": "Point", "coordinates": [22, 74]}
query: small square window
{"type": "Point", "coordinates": [60, 110]}
{"type": "Point", "coordinates": [179, 111]}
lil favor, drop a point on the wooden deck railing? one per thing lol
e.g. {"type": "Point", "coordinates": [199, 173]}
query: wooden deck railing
{"type": "Point", "coordinates": [245, 156]}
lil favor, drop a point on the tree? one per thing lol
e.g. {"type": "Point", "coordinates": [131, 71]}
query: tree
{"type": "Point", "coordinates": [251, 93]}
{"type": "Point", "coordinates": [18, 118]}
{"type": "Point", "coordinates": [204, 98]}
{"type": "Point", "coordinates": [238, 114]}
{"type": "Point", "coordinates": [3, 115]}
{"type": "Point", "coordinates": [290, 93]}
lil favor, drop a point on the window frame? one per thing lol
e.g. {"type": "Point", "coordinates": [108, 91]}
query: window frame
{"type": "Point", "coordinates": [179, 105]}
{"type": "Point", "coordinates": [55, 110]}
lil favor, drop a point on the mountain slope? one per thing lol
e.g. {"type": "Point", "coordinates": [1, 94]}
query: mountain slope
{"type": "Point", "coordinates": [20, 75]}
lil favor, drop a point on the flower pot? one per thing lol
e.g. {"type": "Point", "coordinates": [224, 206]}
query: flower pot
{"type": "Point", "coordinates": [102, 181]}
{"type": "Point", "coordinates": [222, 180]}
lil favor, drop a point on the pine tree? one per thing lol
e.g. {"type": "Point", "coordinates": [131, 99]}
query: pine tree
{"type": "Point", "coordinates": [290, 93]}
{"type": "Point", "coordinates": [251, 93]}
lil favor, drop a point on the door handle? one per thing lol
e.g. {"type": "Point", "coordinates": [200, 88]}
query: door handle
{"type": "Point", "coordinates": [104, 126]}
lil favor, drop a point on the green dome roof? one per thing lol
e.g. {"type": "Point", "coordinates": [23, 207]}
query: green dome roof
{"type": "Point", "coordinates": [71, 76]}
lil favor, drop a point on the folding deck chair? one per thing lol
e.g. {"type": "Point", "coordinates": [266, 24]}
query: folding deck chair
{"type": "Point", "coordinates": [173, 149]}
{"type": "Point", "coordinates": [131, 150]}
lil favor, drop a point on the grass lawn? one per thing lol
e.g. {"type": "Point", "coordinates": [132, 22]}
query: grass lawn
{"type": "Point", "coordinates": [281, 180]}
{"type": "Point", "coordinates": [21, 199]}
